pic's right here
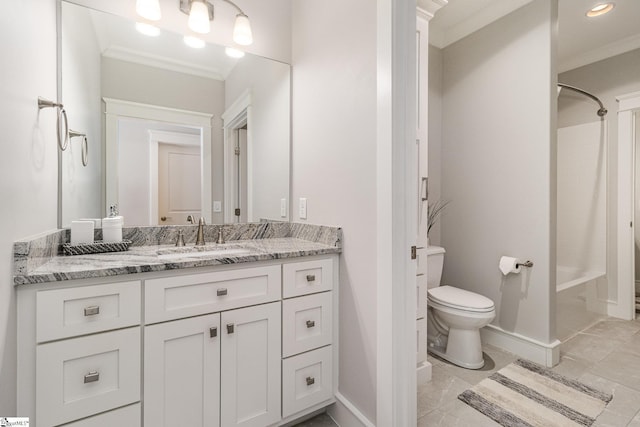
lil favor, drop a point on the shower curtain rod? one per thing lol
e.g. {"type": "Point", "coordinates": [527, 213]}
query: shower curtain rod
{"type": "Point", "coordinates": [601, 112]}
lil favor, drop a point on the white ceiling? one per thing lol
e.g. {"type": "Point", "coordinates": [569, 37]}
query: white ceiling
{"type": "Point", "coordinates": [581, 40]}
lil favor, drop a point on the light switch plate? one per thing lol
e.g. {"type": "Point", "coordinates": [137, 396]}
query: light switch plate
{"type": "Point", "coordinates": [217, 206]}
{"type": "Point", "coordinates": [303, 208]}
{"type": "Point", "coordinates": [283, 208]}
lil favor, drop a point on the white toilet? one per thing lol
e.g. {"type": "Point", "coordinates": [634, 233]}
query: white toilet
{"type": "Point", "coordinates": [455, 317]}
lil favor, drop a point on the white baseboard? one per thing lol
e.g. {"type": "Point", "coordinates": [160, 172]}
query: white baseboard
{"type": "Point", "coordinates": [345, 414]}
{"type": "Point", "coordinates": [424, 373]}
{"type": "Point", "coordinates": [543, 354]}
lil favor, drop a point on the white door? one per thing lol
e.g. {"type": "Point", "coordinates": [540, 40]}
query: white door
{"type": "Point", "coordinates": [182, 373]}
{"type": "Point", "coordinates": [251, 369]}
{"type": "Point", "coordinates": [179, 176]}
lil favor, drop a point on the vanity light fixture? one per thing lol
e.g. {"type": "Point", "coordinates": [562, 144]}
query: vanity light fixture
{"type": "Point", "coordinates": [149, 9]}
{"type": "Point", "coordinates": [147, 29]}
{"type": "Point", "coordinates": [600, 9]}
{"type": "Point", "coordinates": [194, 42]}
{"type": "Point", "coordinates": [201, 13]}
{"type": "Point", "coordinates": [233, 53]}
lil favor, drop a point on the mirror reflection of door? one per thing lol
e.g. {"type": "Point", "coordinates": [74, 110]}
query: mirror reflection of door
{"type": "Point", "coordinates": [240, 197]}
{"type": "Point", "coordinates": [178, 183]}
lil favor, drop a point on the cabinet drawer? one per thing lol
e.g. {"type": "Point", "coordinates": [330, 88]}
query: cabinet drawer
{"type": "Point", "coordinates": [192, 295]}
{"type": "Point", "coordinates": [128, 416]}
{"type": "Point", "coordinates": [64, 313]}
{"type": "Point", "coordinates": [79, 377]}
{"type": "Point", "coordinates": [301, 278]}
{"type": "Point", "coordinates": [306, 380]}
{"type": "Point", "coordinates": [306, 323]}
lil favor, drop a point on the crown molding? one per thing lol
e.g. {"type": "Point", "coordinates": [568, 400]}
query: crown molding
{"type": "Point", "coordinates": [598, 54]}
{"type": "Point", "coordinates": [162, 62]}
{"type": "Point", "coordinates": [428, 8]}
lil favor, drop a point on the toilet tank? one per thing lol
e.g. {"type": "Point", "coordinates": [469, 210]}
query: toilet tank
{"type": "Point", "coordinates": [435, 262]}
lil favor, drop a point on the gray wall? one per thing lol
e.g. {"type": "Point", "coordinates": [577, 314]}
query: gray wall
{"type": "Point", "coordinates": [28, 164]}
{"type": "Point", "coordinates": [606, 79]}
{"type": "Point", "coordinates": [498, 165]}
{"type": "Point", "coordinates": [334, 165]}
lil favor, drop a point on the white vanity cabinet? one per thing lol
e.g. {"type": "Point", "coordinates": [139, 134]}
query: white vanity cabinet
{"type": "Point", "coordinates": [249, 345]}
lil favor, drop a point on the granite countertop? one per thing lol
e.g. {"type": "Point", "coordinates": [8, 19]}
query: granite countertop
{"type": "Point", "coordinates": [150, 258]}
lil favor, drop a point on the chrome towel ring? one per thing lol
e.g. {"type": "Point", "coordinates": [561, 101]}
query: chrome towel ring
{"type": "Point", "coordinates": [63, 138]}
{"type": "Point", "coordinates": [85, 145]}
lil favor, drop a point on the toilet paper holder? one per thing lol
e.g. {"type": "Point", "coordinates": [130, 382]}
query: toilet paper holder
{"type": "Point", "coordinates": [525, 264]}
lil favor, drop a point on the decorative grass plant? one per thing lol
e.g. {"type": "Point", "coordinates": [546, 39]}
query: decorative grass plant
{"type": "Point", "coordinates": [434, 211]}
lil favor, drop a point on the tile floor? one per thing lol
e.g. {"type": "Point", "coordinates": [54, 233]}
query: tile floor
{"type": "Point", "coordinates": [605, 356]}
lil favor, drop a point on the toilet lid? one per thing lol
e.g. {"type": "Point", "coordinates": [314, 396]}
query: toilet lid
{"type": "Point", "coordinates": [460, 299]}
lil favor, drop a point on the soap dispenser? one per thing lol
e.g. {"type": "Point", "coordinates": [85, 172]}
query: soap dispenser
{"type": "Point", "coordinates": [112, 226]}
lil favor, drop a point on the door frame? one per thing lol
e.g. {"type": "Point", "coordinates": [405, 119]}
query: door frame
{"type": "Point", "coordinates": [157, 137]}
{"type": "Point", "coordinates": [624, 307]}
{"type": "Point", "coordinates": [117, 108]}
{"type": "Point", "coordinates": [234, 117]}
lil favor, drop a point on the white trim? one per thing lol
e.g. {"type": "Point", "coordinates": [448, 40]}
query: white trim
{"type": "Point", "coordinates": [116, 108]}
{"type": "Point", "coordinates": [162, 62]}
{"type": "Point", "coordinates": [345, 413]}
{"type": "Point", "coordinates": [544, 354]}
{"type": "Point", "coordinates": [428, 8]}
{"type": "Point", "coordinates": [624, 307]}
{"type": "Point", "coordinates": [237, 115]}
{"type": "Point", "coordinates": [598, 54]}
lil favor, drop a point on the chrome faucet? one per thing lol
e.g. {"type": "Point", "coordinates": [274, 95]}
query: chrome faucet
{"type": "Point", "coordinates": [191, 219]}
{"type": "Point", "coordinates": [200, 237]}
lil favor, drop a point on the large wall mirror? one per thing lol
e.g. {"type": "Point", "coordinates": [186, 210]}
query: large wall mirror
{"type": "Point", "coordinates": [172, 130]}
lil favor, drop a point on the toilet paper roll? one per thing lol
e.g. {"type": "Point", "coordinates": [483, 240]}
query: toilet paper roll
{"type": "Point", "coordinates": [509, 265]}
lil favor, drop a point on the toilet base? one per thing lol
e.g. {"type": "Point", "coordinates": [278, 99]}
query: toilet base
{"type": "Point", "coordinates": [460, 347]}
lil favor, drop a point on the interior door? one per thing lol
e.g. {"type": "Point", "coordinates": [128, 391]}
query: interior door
{"type": "Point", "coordinates": [179, 172]}
{"type": "Point", "coordinates": [240, 196]}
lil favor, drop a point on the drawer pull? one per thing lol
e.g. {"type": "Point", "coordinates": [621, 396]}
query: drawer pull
{"type": "Point", "coordinates": [213, 332]}
{"type": "Point", "coordinates": [92, 377]}
{"type": "Point", "coordinates": [230, 328]}
{"type": "Point", "coordinates": [92, 311]}
{"type": "Point", "coordinates": [311, 323]}
{"type": "Point", "coordinates": [311, 277]}
{"type": "Point", "coordinates": [222, 291]}
{"type": "Point", "coordinates": [310, 381]}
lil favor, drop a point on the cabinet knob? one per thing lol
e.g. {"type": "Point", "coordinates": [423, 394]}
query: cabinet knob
{"type": "Point", "coordinates": [310, 381]}
{"type": "Point", "coordinates": [92, 377]}
{"type": "Point", "coordinates": [213, 332]}
{"type": "Point", "coordinates": [221, 292]}
{"type": "Point", "coordinates": [230, 328]}
{"type": "Point", "coordinates": [311, 323]}
{"type": "Point", "coordinates": [92, 310]}
{"type": "Point", "coordinates": [311, 277]}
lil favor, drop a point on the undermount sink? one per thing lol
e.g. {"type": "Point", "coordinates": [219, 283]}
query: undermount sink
{"type": "Point", "coordinates": [205, 251]}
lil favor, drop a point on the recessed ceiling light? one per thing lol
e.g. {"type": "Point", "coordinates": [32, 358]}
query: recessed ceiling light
{"type": "Point", "coordinates": [147, 30]}
{"type": "Point", "coordinates": [194, 42]}
{"type": "Point", "coordinates": [233, 53]}
{"type": "Point", "coordinates": [600, 9]}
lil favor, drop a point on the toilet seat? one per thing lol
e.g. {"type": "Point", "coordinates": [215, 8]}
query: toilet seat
{"type": "Point", "coordinates": [460, 299]}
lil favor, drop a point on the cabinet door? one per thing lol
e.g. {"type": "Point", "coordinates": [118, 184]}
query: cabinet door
{"type": "Point", "coordinates": [182, 373]}
{"type": "Point", "coordinates": [251, 347]}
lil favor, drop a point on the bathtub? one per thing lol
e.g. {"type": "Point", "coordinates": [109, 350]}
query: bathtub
{"type": "Point", "coordinates": [577, 307]}
{"type": "Point", "coordinates": [569, 277]}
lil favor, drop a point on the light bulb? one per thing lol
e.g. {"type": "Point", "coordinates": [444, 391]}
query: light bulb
{"type": "Point", "coordinates": [149, 9]}
{"type": "Point", "coordinates": [147, 29]}
{"type": "Point", "coordinates": [194, 42]}
{"type": "Point", "coordinates": [199, 17]}
{"type": "Point", "coordinates": [600, 9]}
{"type": "Point", "coordinates": [233, 53]}
{"type": "Point", "coordinates": [242, 30]}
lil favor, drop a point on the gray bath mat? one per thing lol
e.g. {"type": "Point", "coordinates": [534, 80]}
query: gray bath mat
{"type": "Point", "coordinates": [524, 394]}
